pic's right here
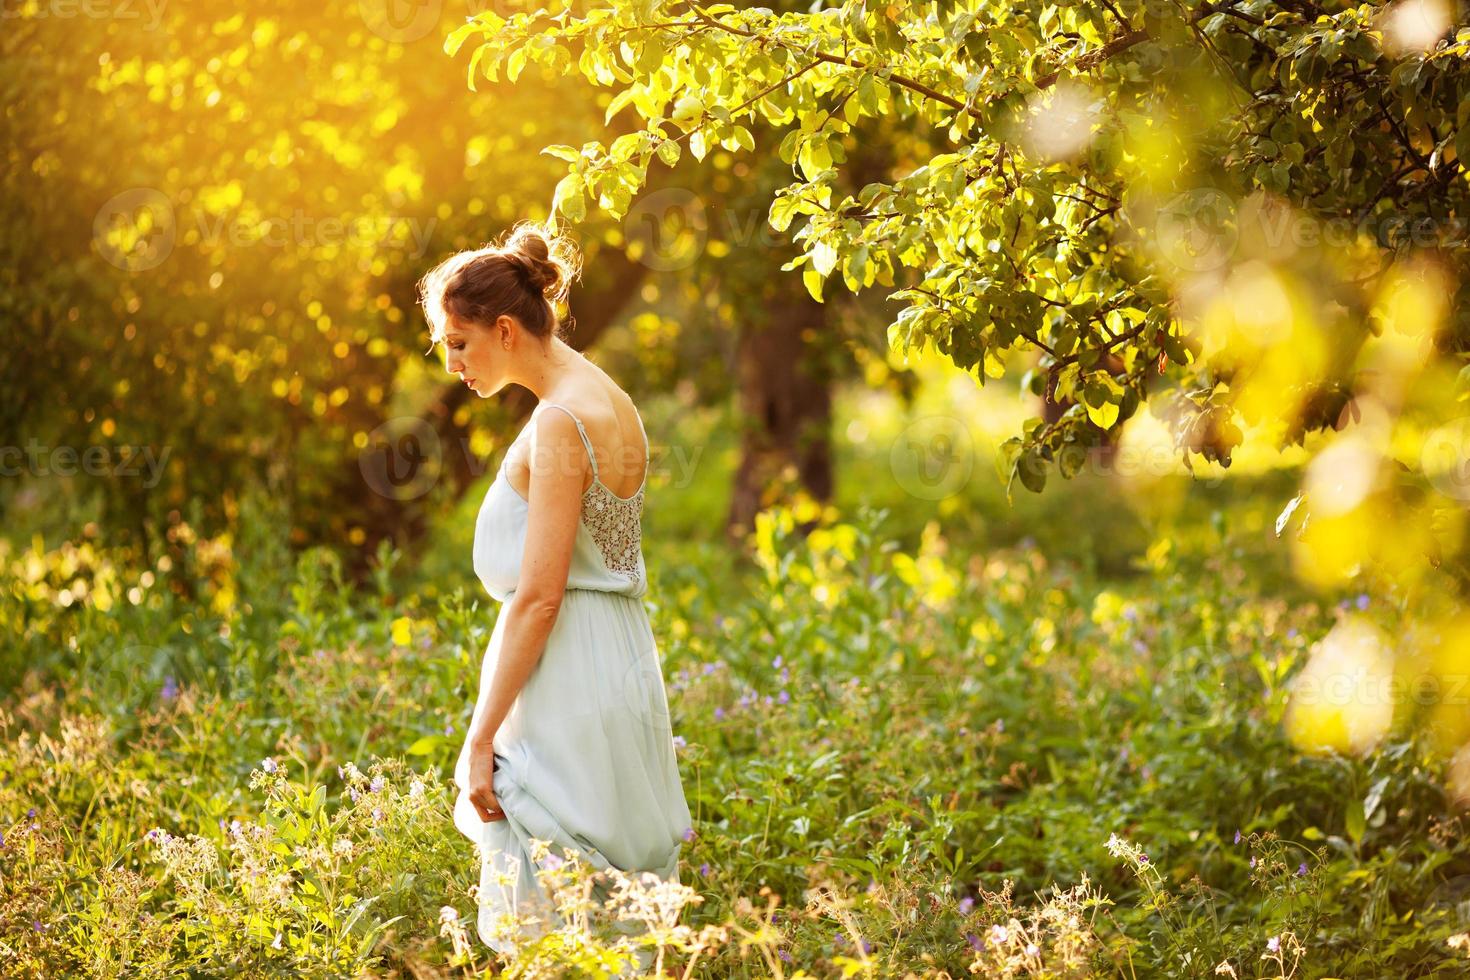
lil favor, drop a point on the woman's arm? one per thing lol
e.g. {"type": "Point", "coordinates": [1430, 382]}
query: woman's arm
{"type": "Point", "coordinates": [559, 468]}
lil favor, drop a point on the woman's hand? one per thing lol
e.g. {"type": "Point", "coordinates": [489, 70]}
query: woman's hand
{"type": "Point", "coordinates": [481, 790]}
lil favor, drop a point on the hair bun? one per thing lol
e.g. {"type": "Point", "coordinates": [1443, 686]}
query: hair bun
{"type": "Point", "coordinates": [547, 262]}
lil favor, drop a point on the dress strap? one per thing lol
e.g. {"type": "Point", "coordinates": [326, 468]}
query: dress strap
{"type": "Point", "coordinates": [580, 431]}
{"type": "Point", "coordinates": [645, 436]}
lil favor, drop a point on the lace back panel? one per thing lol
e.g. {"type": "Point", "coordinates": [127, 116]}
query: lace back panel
{"type": "Point", "coordinates": [614, 522]}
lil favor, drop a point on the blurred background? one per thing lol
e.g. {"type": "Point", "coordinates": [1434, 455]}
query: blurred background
{"type": "Point", "coordinates": [234, 470]}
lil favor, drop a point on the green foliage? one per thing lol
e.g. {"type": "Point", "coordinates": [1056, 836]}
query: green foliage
{"type": "Point", "coordinates": [890, 753]}
{"type": "Point", "coordinates": [1068, 181]}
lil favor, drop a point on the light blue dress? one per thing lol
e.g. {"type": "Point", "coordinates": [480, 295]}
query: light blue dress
{"type": "Point", "coordinates": [585, 757]}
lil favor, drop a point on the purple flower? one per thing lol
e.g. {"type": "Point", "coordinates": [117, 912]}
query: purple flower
{"type": "Point", "coordinates": [31, 813]}
{"type": "Point", "coordinates": [688, 833]}
{"type": "Point", "coordinates": [449, 728]}
{"type": "Point", "coordinates": [170, 689]}
{"type": "Point", "coordinates": [1291, 634]}
{"type": "Point", "coordinates": [1301, 870]}
{"type": "Point", "coordinates": [352, 793]}
{"type": "Point", "coordinates": [1253, 860]}
{"type": "Point", "coordinates": [783, 698]}
{"type": "Point", "coordinates": [2, 838]}
{"type": "Point", "coordinates": [704, 869]}
{"type": "Point", "coordinates": [1143, 859]}
{"type": "Point", "coordinates": [719, 713]}
{"type": "Point", "coordinates": [867, 946]}
{"type": "Point", "coordinates": [36, 925]}
{"type": "Point", "coordinates": [679, 742]}
{"type": "Point", "coordinates": [1274, 943]}
{"type": "Point", "coordinates": [1237, 835]}
{"type": "Point", "coordinates": [268, 764]}
{"type": "Point", "coordinates": [785, 956]}
{"type": "Point", "coordinates": [709, 668]}
{"type": "Point", "coordinates": [1363, 601]}
{"type": "Point", "coordinates": [377, 814]}
{"type": "Point", "coordinates": [974, 940]}
{"type": "Point", "coordinates": [376, 786]}
{"type": "Point", "coordinates": [966, 904]}
{"type": "Point", "coordinates": [552, 862]}
{"type": "Point", "coordinates": [777, 661]}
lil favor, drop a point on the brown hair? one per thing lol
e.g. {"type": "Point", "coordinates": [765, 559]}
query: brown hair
{"type": "Point", "coordinates": [526, 275]}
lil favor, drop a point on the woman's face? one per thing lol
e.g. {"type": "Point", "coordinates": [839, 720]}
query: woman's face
{"type": "Point", "coordinates": [472, 352]}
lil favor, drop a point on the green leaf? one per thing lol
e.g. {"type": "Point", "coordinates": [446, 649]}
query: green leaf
{"type": "Point", "coordinates": [1103, 416]}
{"type": "Point", "coordinates": [813, 280]}
{"type": "Point", "coordinates": [569, 199]}
{"type": "Point", "coordinates": [562, 152]}
{"type": "Point", "coordinates": [668, 152]}
{"type": "Point", "coordinates": [425, 745]}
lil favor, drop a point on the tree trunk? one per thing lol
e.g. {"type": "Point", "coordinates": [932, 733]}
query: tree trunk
{"type": "Point", "coordinates": [785, 399]}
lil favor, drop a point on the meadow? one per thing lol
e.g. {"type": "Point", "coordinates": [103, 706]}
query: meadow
{"type": "Point", "coordinates": [912, 745]}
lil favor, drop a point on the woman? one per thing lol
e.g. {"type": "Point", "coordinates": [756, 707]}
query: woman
{"type": "Point", "coordinates": [570, 740]}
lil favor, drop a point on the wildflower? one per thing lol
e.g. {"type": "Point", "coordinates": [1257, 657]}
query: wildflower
{"type": "Point", "coordinates": [974, 940]}
{"type": "Point", "coordinates": [416, 790]}
{"type": "Point", "coordinates": [709, 668]}
{"type": "Point", "coordinates": [1237, 836]}
{"type": "Point", "coordinates": [1363, 601]}
{"type": "Point", "coordinates": [2, 838]}
{"type": "Point", "coordinates": [785, 956]}
{"type": "Point", "coordinates": [376, 786]}
{"type": "Point", "coordinates": [688, 833]}
{"type": "Point", "coordinates": [1301, 870]}
{"type": "Point", "coordinates": [777, 661]}
{"type": "Point", "coordinates": [1143, 859]}
{"type": "Point", "coordinates": [352, 793]}
{"type": "Point", "coordinates": [170, 689]}
{"type": "Point", "coordinates": [783, 697]}
{"type": "Point", "coordinates": [552, 862]}
{"type": "Point", "coordinates": [966, 904]}
{"type": "Point", "coordinates": [36, 925]}
{"type": "Point", "coordinates": [449, 728]}
{"type": "Point", "coordinates": [1032, 949]}
{"type": "Point", "coordinates": [999, 934]}
{"type": "Point", "coordinates": [768, 699]}
{"type": "Point", "coordinates": [342, 846]}
{"type": "Point", "coordinates": [679, 742]}
{"type": "Point", "coordinates": [277, 943]}
{"type": "Point", "coordinates": [1274, 943]}
{"type": "Point", "coordinates": [704, 869]}
{"type": "Point", "coordinates": [31, 813]}
{"type": "Point", "coordinates": [448, 914]}
{"type": "Point", "coordinates": [377, 814]}
{"type": "Point", "coordinates": [719, 713]}
{"type": "Point", "coordinates": [236, 828]}
{"type": "Point", "coordinates": [268, 764]}
{"type": "Point", "coordinates": [1253, 860]}
{"type": "Point", "coordinates": [867, 946]}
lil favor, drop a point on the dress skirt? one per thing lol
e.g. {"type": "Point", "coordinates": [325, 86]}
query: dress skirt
{"type": "Point", "coordinates": [584, 759]}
